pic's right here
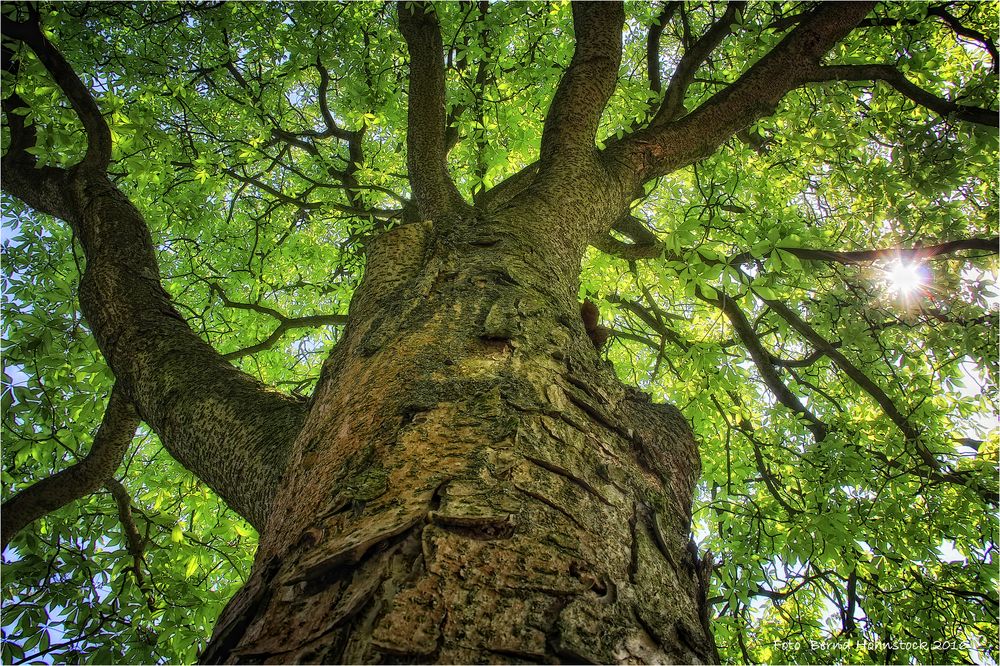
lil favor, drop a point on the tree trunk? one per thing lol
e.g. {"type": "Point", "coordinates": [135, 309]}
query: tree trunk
{"type": "Point", "coordinates": [472, 484]}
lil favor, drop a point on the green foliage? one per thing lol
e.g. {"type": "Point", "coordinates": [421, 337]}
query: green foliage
{"type": "Point", "coordinates": [828, 549]}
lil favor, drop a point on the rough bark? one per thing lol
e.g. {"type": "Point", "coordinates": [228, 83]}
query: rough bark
{"type": "Point", "coordinates": [211, 417]}
{"type": "Point", "coordinates": [472, 483]}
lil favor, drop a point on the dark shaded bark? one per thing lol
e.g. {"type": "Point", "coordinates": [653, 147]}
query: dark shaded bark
{"type": "Point", "coordinates": [211, 417]}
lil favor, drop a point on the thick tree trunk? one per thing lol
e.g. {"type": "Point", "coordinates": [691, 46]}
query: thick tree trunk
{"type": "Point", "coordinates": [472, 484]}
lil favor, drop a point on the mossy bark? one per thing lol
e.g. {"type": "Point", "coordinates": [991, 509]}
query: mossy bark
{"type": "Point", "coordinates": [472, 483]}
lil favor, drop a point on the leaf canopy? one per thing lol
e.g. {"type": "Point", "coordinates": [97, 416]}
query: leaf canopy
{"type": "Point", "coordinates": [264, 143]}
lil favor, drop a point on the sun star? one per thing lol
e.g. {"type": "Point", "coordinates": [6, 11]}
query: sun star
{"type": "Point", "coordinates": [905, 279]}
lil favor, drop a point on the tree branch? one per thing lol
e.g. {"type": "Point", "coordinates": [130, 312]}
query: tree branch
{"type": "Point", "coordinates": [509, 188]}
{"type": "Point", "coordinates": [218, 422]}
{"type": "Point", "coordinates": [860, 378]}
{"type": "Point", "coordinates": [288, 324]}
{"type": "Point", "coordinates": [573, 117]}
{"type": "Point", "coordinates": [762, 359]}
{"type": "Point", "coordinates": [654, 320]}
{"type": "Point", "coordinates": [43, 188]}
{"type": "Point", "coordinates": [306, 140]}
{"type": "Point", "coordinates": [646, 245]}
{"type": "Point", "coordinates": [912, 434]}
{"type": "Point", "coordinates": [98, 154]}
{"type": "Point", "coordinates": [931, 470]}
{"type": "Point", "coordinates": [942, 12]}
{"type": "Point", "coordinates": [426, 145]}
{"type": "Point", "coordinates": [568, 154]}
{"type": "Point", "coordinates": [285, 323]}
{"type": "Point", "coordinates": [657, 150]}
{"type": "Point", "coordinates": [653, 45]}
{"type": "Point", "coordinates": [916, 253]}
{"type": "Point", "coordinates": [673, 100]}
{"type": "Point", "coordinates": [939, 11]}
{"type": "Point", "coordinates": [895, 78]}
{"type": "Point", "coordinates": [805, 362]}
{"type": "Point", "coordinates": [79, 480]}
{"type": "Point", "coordinates": [332, 128]}
{"type": "Point", "coordinates": [134, 542]}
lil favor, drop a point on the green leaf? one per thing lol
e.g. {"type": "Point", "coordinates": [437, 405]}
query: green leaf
{"type": "Point", "coordinates": [177, 534]}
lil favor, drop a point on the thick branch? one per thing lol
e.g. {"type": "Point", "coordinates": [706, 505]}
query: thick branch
{"type": "Point", "coordinates": [223, 425]}
{"type": "Point", "coordinates": [646, 245]}
{"type": "Point", "coordinates": [426, 145]}
{"type": "Point", "coordinates": [575, 113]}
{"type": "Point", "coordinates": [661, 149]}
{"type": "Point", "coordinates": [98, 153]}
{"type": "Point", "coordinates": [673, 100]}
{"type": "Point", "coordinates": [509, 188]}
{"type": "Point", "coordinates": [110, 443]}
{"type": "Point", "coordinates": [907, 88]}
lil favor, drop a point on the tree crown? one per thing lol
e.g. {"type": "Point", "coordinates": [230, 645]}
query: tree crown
{"type": "Point", "coordinates": [803, 266]}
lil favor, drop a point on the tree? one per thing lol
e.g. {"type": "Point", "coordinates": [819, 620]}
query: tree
{"type": "Point", "coordinates": [779, 217]}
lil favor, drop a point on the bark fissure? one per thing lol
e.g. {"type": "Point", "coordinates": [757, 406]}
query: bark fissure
{"type": "Point", "coordinates": [572, 478]}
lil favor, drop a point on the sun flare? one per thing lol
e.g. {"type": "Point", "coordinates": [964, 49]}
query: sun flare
{"type": "Point", "coordinates": [905, 279]}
